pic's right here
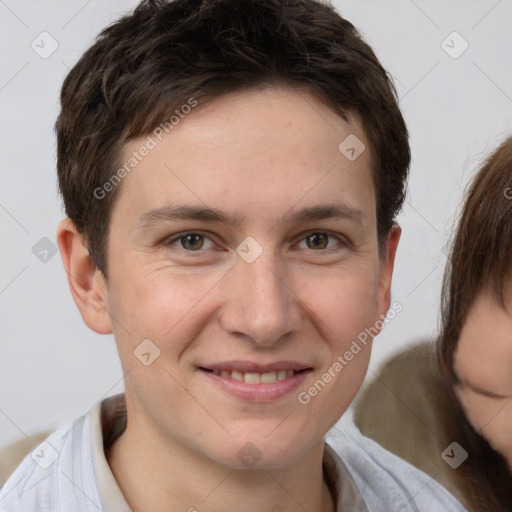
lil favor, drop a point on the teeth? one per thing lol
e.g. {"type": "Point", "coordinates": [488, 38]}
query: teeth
{"type": "Point", "coordinates": [252, 378]}
{"type": "Point", "coordinates": [268, 378]}
{"type": "Point", "coordinates": [256, 378]}
{"type": "Point", "coordinates": [237, 376]}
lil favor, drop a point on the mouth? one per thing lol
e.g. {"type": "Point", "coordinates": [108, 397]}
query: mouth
{"type": "Point", "coordinates": [256, 383]}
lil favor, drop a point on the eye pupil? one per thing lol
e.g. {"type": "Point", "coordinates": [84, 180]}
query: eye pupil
{"type": "Point", "coordinates": [193, 239]}
{"type": "Point", "coordinates": [319, 240]}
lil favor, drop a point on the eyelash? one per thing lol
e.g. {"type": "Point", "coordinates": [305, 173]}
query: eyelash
{"type": "Point", "coordinates": [343, 242]}
{"type": "Point", "coordinates": [492, 395]}
{"type": "Point", "coordinates": [486, 394]}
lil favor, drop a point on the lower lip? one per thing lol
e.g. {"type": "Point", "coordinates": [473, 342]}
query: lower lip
{"type": "Point", "coordinates": [258, 392]}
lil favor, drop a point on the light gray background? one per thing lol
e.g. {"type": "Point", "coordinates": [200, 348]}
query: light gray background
{"type": "Point", "coordinates": [52, 367]}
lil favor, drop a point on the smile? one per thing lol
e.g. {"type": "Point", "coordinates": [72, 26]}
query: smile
{"type": "Point", "coordinates": [256, 378]}
{"type": "Point", "coordinates": [262, 386]}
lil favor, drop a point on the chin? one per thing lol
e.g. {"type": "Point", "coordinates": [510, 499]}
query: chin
{"type": "Point", "coordinates": [256, 452]}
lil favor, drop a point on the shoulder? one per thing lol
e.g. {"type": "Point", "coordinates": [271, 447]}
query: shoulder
{"type": "Point", "coordinates": [56, 475]}
{"type": "Point", "coordinates": [385, 481]}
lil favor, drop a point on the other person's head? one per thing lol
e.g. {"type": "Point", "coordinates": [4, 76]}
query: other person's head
{"type": "Point", "coordinates": [475, 346]}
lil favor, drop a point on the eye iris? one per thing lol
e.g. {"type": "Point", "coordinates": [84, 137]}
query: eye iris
{"type": "Point", "coordinates": [319, 240]}
{"type": "Point", "coordinates": [190, 241]}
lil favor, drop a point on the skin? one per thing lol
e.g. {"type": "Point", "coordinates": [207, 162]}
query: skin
{"type": "Point", "coordinates": [261, 154]}
{"type": "Point", "coordinates": [483, 363]}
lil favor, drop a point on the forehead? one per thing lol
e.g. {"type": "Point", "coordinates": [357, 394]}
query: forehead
{"type": "Point", "coordinates": [276, 146]}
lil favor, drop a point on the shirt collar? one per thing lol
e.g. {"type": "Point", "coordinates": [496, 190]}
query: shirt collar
{"type": "Point", "coordinates": [106, 416]}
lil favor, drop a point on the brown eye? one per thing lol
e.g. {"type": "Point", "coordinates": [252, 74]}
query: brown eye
{"type": "Point", "coordinates": [324, 241]}
{"type": "Point", "coordinates": [192, 242]}
{"type": "Point", "coordinates": [187, 242]}
{"type": "Point", "coordinates": [317, 240]}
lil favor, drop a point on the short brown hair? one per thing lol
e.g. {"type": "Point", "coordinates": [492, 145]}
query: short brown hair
{"type": "Point", "coordinates": [481, 255]}
{"type": "Point", "coordinates": [167, 52]}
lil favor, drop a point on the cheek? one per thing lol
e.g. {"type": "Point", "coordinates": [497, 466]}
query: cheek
{"type": "Point", "coordinates": [344, 301]}
{"type": "Point", "coordinates": [169, 309]}
{"type": "Point", "coordinates": [475, 407]}
{"type": "Point", "coordinates": [344, 307]}
{"type": "Point", "coordinates": [338, 382]}
{"type": "Point", "coordinates": [155, 303]}
{"type": "Point", "coordinates": [492, 418]}
{"type": "Point", "coordinates": [497, 430]}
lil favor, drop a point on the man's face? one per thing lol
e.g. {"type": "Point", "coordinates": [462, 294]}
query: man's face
{"type": "Point", "coordinates": [281, 283]}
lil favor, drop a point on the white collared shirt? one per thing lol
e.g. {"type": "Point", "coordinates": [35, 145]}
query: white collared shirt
{"type": "Point", "coordinates": [69, 473]}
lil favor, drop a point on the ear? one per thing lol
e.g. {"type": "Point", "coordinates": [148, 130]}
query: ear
{"type": "Point", "coordinates": [86, 282]}
{"type": "Point", "coordinates": [387, 262]}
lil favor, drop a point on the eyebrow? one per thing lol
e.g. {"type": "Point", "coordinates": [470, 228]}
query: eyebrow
{"type": "Point", "coordinates": [188, 212]}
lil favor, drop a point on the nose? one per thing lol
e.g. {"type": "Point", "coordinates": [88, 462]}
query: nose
{"type": "Point", "coordinates": [262, 304]}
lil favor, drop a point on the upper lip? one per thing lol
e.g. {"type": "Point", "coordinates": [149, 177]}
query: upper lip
{"type": "Point", "coordinates": [253, 367]}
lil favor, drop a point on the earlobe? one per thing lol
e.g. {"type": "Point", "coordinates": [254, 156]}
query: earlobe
{"type": "Point", "coordinates": [386, 270]}
{"type": "Point", "coordinates": [86, 282]}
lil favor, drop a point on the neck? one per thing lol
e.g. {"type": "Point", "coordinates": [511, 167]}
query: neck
{"type": "Point", "coordinates": [164, 480]}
